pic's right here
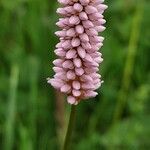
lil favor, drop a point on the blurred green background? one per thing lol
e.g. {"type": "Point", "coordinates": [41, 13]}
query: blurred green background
{"type": "Point", "coordinates": [33, 116]}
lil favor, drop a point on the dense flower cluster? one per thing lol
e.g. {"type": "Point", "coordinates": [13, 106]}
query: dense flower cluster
{"type": "Point", "coordinates": [76, 70]}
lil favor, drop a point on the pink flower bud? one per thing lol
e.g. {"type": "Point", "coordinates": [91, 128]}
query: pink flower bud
{"type": "Point", "coordinates": [71, 75]}
{"type": "Point", "coordinates": [79, 71]}
{"type": "Point", "coordinates": [76, 93]}
{"type": "Point", "coordinates": [74, 20]}
{"type": "Point", "coordinates": [90, 9]}
{"type": "Point", "coordinates": [65, 88]}
{"type": "Point", "coordinates": [71, 100]}
{"type": "Point", "coordinates": [81, 52]}
{"type": "Point", "coordinates": [71, 54]}
{"type": "Point", "coordinates": [77, 62]}
{"type": "Point", "coordinates": [71, 32]}
{"type": "Point", "coordinates": [78, 7]}
{"type": "Point", "coordinates": [83, 16]}
{"type": "Point", "coordinates": [75, 42]}
{"type": "Point", "coordinates": [76, 85]}
{"type": "Point", "coordinates": [84, 37]}
{"type": "Point", "coordinates": [79, 29]}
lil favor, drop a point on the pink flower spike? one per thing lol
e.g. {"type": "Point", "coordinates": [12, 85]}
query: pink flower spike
{"type": "Point", "coordinates": [77, 67]}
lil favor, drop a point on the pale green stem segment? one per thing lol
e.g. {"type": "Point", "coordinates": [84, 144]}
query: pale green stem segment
{"type": "Point", "coordinates": [70, 128]}
{"type": "Point", "coordinates": [11, 108]}
{"type": "Point", "coordinates": [129, 65]}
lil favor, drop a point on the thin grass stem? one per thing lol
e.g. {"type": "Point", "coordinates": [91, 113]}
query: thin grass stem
{"type": "Point", "coordinates": [11, 108]}
{"type": "Point", "coordinates": [129, 65]}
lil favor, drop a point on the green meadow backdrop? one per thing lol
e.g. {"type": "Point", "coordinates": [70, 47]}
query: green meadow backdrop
{"type": "Point", "coordinates": [33, 116]}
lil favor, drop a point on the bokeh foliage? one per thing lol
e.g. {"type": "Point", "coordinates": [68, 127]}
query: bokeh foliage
{"type": "Point", "coordinates": [117, 119]}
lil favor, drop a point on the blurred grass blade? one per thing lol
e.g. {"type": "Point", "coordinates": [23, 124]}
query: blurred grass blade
{"type": "Point", "coordinates": [129, 65]}
{"type": "Point", "coordinates": [11, 108]}
{"type": "Point", "coordinates": [25, 141]}
{"type": "Point", "coordinates": [33, 98]}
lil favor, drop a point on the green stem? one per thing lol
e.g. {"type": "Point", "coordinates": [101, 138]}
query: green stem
{"type": "Point", "coordinates": [132, 51]}
{"type": "Point", "coordinates": [70, 128]}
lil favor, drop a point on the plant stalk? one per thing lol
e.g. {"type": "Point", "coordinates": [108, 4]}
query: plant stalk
{"type": "Point", "coordinates": [70, 128]}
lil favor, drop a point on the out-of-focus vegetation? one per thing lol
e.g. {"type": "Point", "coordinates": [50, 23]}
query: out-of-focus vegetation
{"type": "Point", "coordinates": [33, 116]}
